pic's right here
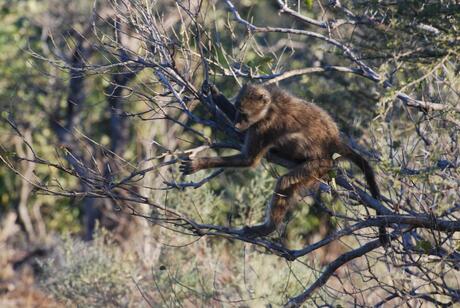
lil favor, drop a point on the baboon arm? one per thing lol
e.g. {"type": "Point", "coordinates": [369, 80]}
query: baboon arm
{"type": "Point", "coordinates": [239, 160]}
{"type": "Point", "coordinates": [223, 103]}
{"type": "Point", "coordinates": [255, 147]}
{"type": "Point", "coordinates": [248, 158]}
{"type": "Point", "coordinates": [251, 155]}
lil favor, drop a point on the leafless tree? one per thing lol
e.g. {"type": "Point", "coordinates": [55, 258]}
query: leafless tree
{"type": "Point", "coordinates": [159, 58]}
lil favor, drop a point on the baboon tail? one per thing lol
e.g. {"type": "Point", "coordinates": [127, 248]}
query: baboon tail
{"type": "Point", "coordinates": [363, 164]}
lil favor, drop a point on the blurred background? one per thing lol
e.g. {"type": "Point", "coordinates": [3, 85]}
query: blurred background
{"type": "Point", "coordinates": [100, 99]}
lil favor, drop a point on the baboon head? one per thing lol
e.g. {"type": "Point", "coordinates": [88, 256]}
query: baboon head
{"type": "Point", "coordinates": [252, 104]}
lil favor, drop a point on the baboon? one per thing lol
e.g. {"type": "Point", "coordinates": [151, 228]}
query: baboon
{"type": "Point", "coordinates": [294, 129]}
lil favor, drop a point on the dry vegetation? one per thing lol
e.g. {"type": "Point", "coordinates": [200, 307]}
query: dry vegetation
{"type": "Point", "coordinates": [100, 101]}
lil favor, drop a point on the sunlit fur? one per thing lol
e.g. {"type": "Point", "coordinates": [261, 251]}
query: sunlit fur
{"type": "Point", "coordinates": [293, 129]}
{"type": "Point", "coordinates": [252, 104]}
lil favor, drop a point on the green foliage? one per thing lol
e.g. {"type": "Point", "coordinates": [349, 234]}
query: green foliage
{"type": "Point", "coordinates": [204, 202]}
{"type": "Point", "coordinates": [88, 275]}
{"type": "Point", "coordinates": [424, 245]}
{"type": "Point", "coordinates": [201, 273]}
{"type": "Point", "coordinates": [305, 220]}
{"type": "Point", "coordinates": [212, 271]}
{"type": "Point", "coordinates": [261, 64]}
{"type": "Point", "coordinates": [7, 185]}
{"type": "Point", "coordinates": [242, 201]}
{"type": "Point", "coordinates": [249, 194]}
{"type": "Point", "coordinates": [196, 273]}
{"type": "Point", "coordinates": [62, 218]}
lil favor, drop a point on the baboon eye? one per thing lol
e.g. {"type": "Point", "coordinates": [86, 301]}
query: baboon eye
{"type": "Point", "coordinates": [260, 98]}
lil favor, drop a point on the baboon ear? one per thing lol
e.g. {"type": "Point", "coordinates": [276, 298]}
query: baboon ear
{"type": "Point", "coordinates": [248, 88]}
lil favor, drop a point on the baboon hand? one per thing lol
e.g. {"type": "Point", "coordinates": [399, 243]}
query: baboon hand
{"type": "Point", "coordinates": [209, 88]}
{"type": "Point", "coordinates": [188, 166]}
{"type": "Point", "coordinates": [213, 89]}
{"type": "Point", "coordinates": [205, 88]}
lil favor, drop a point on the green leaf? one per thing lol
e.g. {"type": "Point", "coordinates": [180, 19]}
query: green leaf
{"type": "Point", "coordinates": [424, 245]}
{"type": "Point", "coordinates": [259, 61]}
{"type": "Point", "coordinates": [332, 173]}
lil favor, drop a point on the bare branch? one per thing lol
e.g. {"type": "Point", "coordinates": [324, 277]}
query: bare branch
{"type": "Point", "coordinates": [330, 269]}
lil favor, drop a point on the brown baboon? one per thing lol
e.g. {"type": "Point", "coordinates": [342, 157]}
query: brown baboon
{"type": "Point", "coordinates": [294, 129]}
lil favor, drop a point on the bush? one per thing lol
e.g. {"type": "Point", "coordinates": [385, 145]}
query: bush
{"type": "Point", "coordinates": [88, 275]}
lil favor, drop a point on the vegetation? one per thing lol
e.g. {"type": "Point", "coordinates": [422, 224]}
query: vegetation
{"type": "Point", "coordinates": [100, 100]}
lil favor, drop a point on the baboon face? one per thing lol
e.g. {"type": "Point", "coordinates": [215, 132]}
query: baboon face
{"type": "Point", "coordinates": [251, 104]}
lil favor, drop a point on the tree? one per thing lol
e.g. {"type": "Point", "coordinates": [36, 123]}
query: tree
{"type": "Point", "coordinates": [394, 63]}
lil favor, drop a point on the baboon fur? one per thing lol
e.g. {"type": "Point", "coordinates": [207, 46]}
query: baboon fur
{"type": "Point", "coordinates": [294, 129]}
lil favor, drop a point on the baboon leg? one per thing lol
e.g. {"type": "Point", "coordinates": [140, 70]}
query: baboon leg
{"type": "Point", "coordinates": [286, 189]}
{"type": "Point", "coordinates": [283, 200]}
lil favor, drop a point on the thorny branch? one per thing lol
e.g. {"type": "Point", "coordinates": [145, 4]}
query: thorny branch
{"type": "Point", "coordinates": [363, 69]}
{"type": "Point", "coordinates": [177, 91]}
